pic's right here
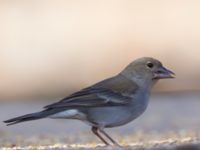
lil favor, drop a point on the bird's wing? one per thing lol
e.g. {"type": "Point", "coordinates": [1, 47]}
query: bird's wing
{"type": "Point", "coordinates": [110, 92]}
{"type": "Point", "coordinates": [92, 97]}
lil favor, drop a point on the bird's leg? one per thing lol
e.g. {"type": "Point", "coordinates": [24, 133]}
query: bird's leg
{"type": "Point", "coordinates": [95, 131]}
{"type": "Point", "coordinates": [113, 141]}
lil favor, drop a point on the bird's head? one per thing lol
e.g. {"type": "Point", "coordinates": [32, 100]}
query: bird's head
{"type": "Point", "coordinates": [147, 70]}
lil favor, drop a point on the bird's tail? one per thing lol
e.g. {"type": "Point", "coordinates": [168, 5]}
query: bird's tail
{"type": "Point", "coordinates": [28, 117]}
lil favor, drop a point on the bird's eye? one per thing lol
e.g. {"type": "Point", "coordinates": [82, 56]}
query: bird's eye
{"type": "Point", "coordinates": [150, 65]}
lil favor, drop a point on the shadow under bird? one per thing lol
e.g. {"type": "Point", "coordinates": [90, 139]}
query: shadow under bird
{"type": "Point", "coordinates": [110, 103]}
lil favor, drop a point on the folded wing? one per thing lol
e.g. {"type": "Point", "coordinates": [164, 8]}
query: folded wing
{"type": "Point", "coordinates": [92, 97]}
{"type": "Point", "coordinates": [110, 92]}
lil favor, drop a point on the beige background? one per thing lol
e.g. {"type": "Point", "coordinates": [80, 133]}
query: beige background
{"type": "Point", "coordinates": [49, 48]}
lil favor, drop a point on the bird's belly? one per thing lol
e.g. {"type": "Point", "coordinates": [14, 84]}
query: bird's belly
{"type": "Point", "coordinates": [113, 116]}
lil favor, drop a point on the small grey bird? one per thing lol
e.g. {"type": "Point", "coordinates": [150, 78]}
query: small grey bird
{"type": "Point", "coordinates": [110, 103]}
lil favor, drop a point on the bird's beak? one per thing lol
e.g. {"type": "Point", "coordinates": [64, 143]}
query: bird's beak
{"type": "Point", "coordinates": [163, 73]}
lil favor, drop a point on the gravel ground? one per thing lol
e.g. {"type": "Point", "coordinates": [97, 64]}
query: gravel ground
{"type": "Point", "coordinates": [184, 140]}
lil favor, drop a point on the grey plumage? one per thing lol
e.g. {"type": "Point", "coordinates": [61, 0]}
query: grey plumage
{"type": "Point", "coordinates": [109, 103]}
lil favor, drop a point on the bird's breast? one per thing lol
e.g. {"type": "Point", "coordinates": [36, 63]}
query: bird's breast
{"type": "Point", "coordinates": [139, 102]}
{"type": "Point", "coordinates": [118, 115]}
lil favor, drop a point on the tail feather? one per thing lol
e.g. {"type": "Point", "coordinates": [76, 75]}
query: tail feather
{"type": "Point", "coordinates": [28, 117]}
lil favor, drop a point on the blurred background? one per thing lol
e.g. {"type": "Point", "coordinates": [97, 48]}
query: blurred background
{"type": "Point", "coordinates": [50, 48]}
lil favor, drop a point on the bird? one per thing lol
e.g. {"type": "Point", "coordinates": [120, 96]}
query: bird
{"type": "Point", "coordinates": [112, 102]}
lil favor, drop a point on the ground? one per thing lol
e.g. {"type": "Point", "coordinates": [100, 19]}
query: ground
{"type": "Point", "coordinates": [138, 141]}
